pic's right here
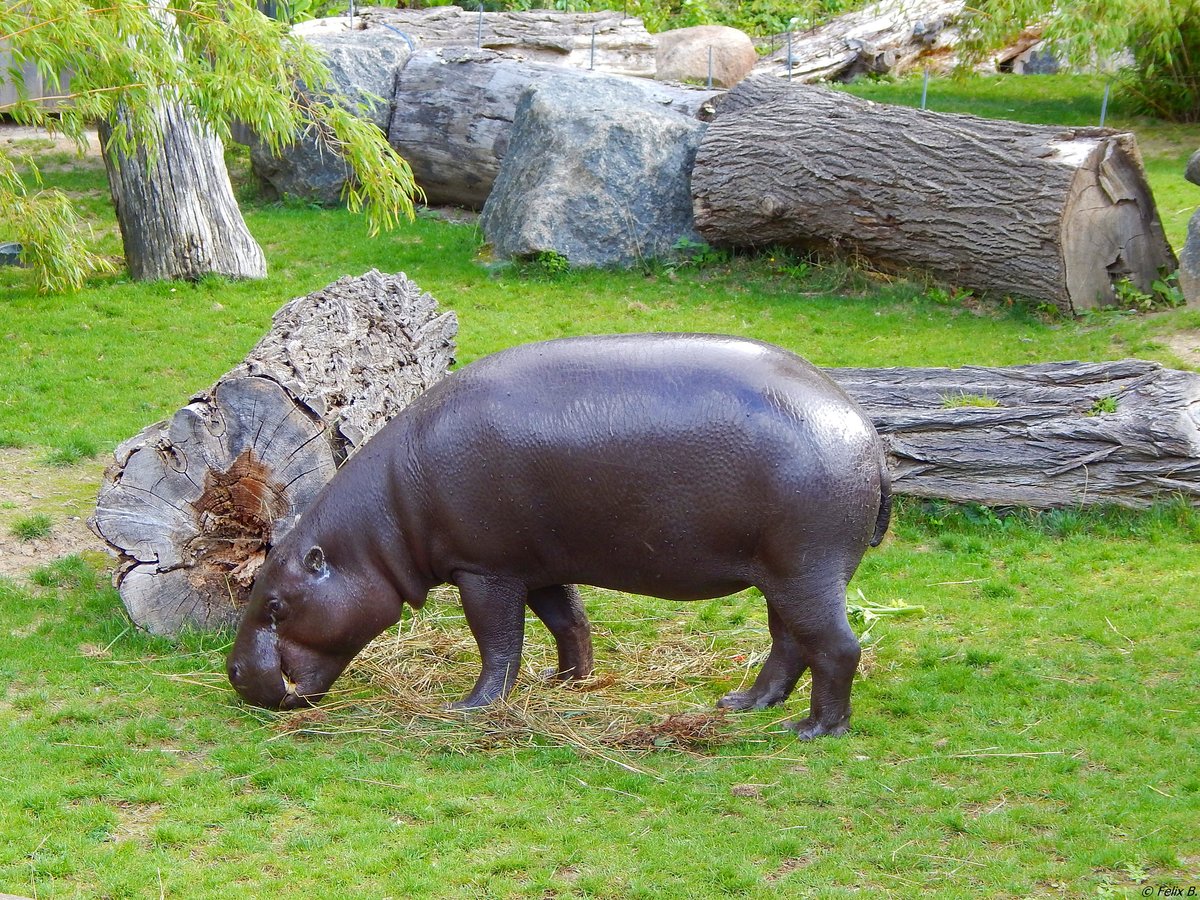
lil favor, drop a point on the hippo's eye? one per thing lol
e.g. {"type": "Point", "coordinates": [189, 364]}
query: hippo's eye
{"type": "Point", "coordinates": [314, 560]}
{"type": "Point", "coordinates": [275, 608]}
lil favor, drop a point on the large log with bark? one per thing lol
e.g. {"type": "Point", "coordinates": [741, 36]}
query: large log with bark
{"type": "Point", "coordinates": [1041, 436]}
{"type": "Point", "coordinates": [454, 114]}
{"type": "Point", "coordinates": [1054, 214]}
{"type": "Point", "coordinates": [192, 504]}
{"type": "Point", "coordinates": [889, 37]}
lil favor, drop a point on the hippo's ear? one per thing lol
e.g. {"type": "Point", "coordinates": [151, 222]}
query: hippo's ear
{"type": "Point", "coordinates": [314, 560]}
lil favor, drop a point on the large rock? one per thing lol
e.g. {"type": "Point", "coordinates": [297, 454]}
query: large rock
{"type": "Point", "coordinates": [1192, 173]}
{"type": "Point", "coordinates": [454, 110]}
{"type": "Point", "coordinates": [595, 174]}
{"type": "Point", "coordinates": [1189, 262]}
{"type": "Point", "coordinates": [363, 63]}
{"type": "Point", "coordinates": [685, 54]}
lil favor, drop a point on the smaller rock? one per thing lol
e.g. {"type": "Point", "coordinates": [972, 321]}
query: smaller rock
{"type": "Point", "coordinates": [1189, 261]}
{"type": "Point", "coordinates": [10, 254]}
{"type": "Point", "coordinates": [1192, 172]}
{"type": "Point", "coordinates": [683, 55]}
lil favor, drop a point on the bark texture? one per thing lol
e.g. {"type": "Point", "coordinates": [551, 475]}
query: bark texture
{"type": "Point", "coordinates": [1053, 214]}
{"type": "Point", "coordinates": [176, 209]}
{"type": "Point", "coordinates": [890, 37]}
{"type": "Point", "coordinates": [454, 114]}
{"type": "Point", "coordinates": [191, 505]}
{"type": "Point", "coordinates": [1061, 434]}
{"type": "Point", "coordinates": [605, 41]}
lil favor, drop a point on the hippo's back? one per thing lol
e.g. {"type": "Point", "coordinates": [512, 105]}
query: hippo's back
{"type": "Point", "coordinates": [631, 461]}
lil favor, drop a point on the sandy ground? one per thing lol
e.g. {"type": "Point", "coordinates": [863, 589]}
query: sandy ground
{"type": "Point", "coordinates": [17, 137]}
{"type": "Point", "coordinates": [67, 495]}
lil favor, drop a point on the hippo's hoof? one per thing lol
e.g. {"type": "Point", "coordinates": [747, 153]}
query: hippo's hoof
{"type": "Point", "coordinates": [807, 729]}
{"type": "Point", "coordinates": [740, 700]}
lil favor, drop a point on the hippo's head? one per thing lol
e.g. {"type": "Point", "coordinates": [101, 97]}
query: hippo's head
{"type": "Point", "coordinates": [317, 601]}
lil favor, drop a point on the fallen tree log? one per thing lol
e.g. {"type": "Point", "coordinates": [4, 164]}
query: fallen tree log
{"type": "Point", "coordinates": [1041, 436]}
{"type": "Point", "coordinates": [605, 41]}
{"type": "Point", "coordinates": [891, 37]}
{"type": "Point", "coordinates": [1053, 214]}
{"type": "Point", "coordinates": [191, 505]}
{"type": "Point", "coordinates": [454, 114]}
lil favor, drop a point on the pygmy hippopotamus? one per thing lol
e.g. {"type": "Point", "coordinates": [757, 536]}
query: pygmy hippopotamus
{"type": "Point", "coordinates": [681, 466]}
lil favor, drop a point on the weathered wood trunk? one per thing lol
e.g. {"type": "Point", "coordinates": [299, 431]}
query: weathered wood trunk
{"type": "Point", "coordinates": [1052, 214]}
{"type": "Point", "coordinates": [606, 41]}
{"type": "Point", "coordinates": [454, 114]}
{"type": "Point", "coordinates": [1059, 434]}
{"type": "Point", "coordinates": [191, 505]}
{"type": "Point", "coordinates": [175, 206]}
{"type": "Point", "coordinates": [890, 37]}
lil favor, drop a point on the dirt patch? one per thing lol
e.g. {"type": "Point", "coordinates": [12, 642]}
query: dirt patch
{"type": "Point", "coordinates": [1185, 345]}
{"type": "Point", "coordinates": [65, 494]}
{"type": "Point", "coordinates": [28, 137]}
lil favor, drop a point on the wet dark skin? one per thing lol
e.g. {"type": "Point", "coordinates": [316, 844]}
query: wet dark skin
{"type": "Point", "coordinates": [685, 467]}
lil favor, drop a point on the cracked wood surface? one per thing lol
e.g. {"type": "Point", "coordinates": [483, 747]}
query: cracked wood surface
{"type": "Point", "coordinates": [192, 504]}
{"type": "Point", "coordinates": [1061, 434]}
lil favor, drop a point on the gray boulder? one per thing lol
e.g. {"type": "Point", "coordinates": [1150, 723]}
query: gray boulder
{"type": "Point", "coordinates": [593, 173]}
{"type": "Point", "coordinates": [1192, 173]}
{"type": "Point", "coordinates": [1189, 261]}
{"type": "Point", "coordinates": [363, 63]}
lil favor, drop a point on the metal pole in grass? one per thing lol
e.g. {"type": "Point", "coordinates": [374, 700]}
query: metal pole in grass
{"type": "Point", "coordinates": [592, 58]}
{"type": "Point", "coordinates": [1104, 103]}
{"type": "Point", "coordinates": [789, 54]}
{"type": "Point", "coordinates": [710, 67]}
{"type": "Point", "coordinates": [924, 88]}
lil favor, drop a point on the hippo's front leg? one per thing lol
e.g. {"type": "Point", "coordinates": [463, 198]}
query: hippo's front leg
{"type": "Point", "coordinates": [495, 611]}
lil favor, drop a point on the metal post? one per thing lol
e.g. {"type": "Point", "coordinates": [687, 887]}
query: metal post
{"type": "Point", "coordinates": [710, 67]}
{"type": "Point", "coordinates": [479, 32]}
{"type": "Point", "coordinates": [789, 55]}
{"type": "Point", "coordinates": [1104, 104]}
{"type": "Point", "coordinates": [351, 13]}
{"type": "Point", "coordinates": [592, 57]}
{"type": "Point", "coordinates": [924, 88]}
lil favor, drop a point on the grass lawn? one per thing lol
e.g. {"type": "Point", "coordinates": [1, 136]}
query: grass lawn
{"type": "Point", "coordinates": [1032, 732]}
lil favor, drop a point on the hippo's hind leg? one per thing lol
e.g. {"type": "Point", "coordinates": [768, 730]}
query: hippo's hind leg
{"type": "Point", "coordinates": [561, 611]}
{"type": "Point", "coordinates": [813, 609]}
{"type": "Point", "coordinates": [495, 612]}
{"type": "Point", "coordinates": [778, 675]}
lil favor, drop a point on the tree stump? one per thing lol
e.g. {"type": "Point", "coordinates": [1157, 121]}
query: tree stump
{"type": "Point", "coordinates": [1052, 214]}
{"type": "Point", "coordinates": [175, 207]}
{"type": "Point", "coordinates": [191, 505]}
{"type": "Point", "coordinates": [1042, 436]}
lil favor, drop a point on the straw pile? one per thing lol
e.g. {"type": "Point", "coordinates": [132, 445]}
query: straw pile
{"type": "Point", "coordinates": [649, 694]}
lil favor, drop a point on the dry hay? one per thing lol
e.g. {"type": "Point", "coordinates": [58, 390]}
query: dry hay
{"type": "Point", "coordinates": [649, 694]}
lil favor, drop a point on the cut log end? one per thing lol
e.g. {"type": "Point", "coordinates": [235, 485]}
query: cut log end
{"type": "Point", "coordinates": [192, 505]}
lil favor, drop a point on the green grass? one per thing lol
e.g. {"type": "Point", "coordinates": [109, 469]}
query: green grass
{"type": "Point", "coordinates": [1030, 732]}
{"type": "Point", "coordinates": [1029, 729]}
{"type": "Point", "coordinates": [28, 528]}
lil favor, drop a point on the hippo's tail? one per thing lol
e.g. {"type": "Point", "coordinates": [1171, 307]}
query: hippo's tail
{"type": "Point", "coordinates": [885, 505]}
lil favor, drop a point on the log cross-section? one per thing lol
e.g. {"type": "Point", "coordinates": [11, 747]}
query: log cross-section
{"type": "Point", "coordinates": [191, 505]}
{"type": "Point", "coordinates": [1058, 215]}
